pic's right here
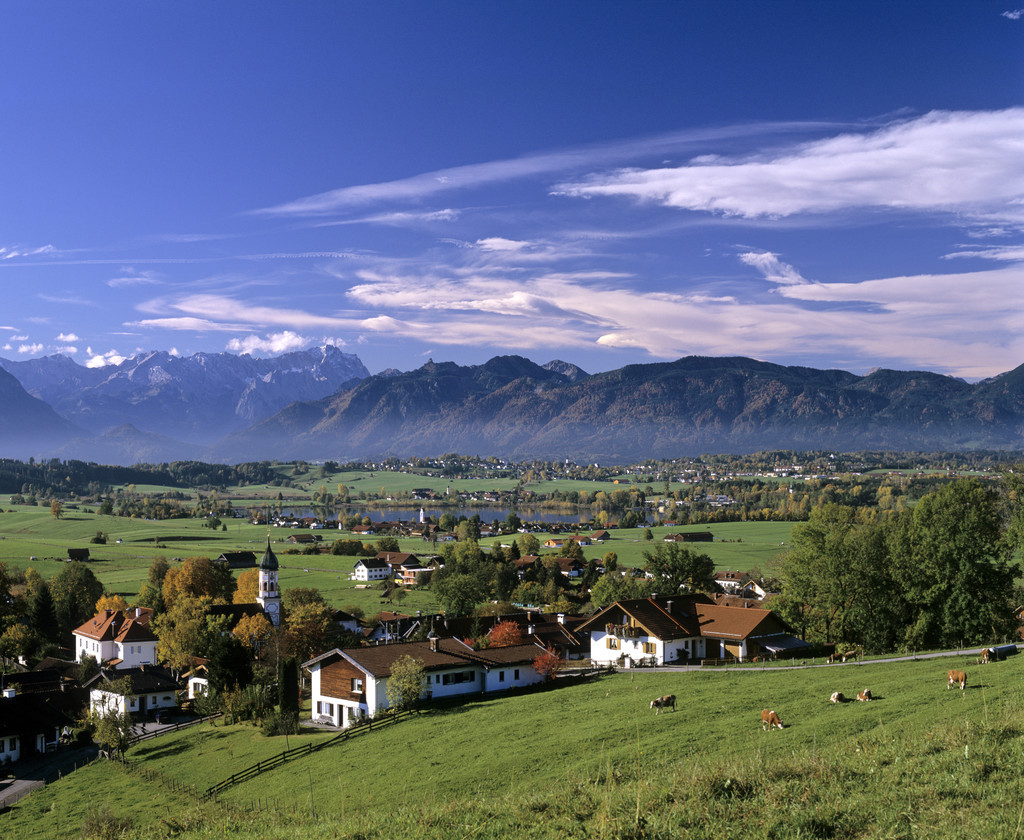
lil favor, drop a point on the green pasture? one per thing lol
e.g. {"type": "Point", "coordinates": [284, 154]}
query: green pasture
{"type": "Point", "coordinates": [592, 760]}
{"type": "Point", "coordinates": [32, 532]}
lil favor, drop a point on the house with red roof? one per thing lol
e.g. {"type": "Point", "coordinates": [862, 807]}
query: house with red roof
{"type": "Point", "coordinates": [120, 638]}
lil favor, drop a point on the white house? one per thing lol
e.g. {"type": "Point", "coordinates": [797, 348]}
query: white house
{"type": "Point", "coordinates": [122, 638]}
{"type": "Point", "coordinates": [351, 684]}
{"type": "Point", "coordinates": [371, 568]}
{"type": "Point", "coordinates": [684, 627]}
{"type": "Point", "coordinates": [150, 689]}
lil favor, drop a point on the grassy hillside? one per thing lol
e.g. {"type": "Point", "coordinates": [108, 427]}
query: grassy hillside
{"type": "Point", "coordinates": [592, 760]}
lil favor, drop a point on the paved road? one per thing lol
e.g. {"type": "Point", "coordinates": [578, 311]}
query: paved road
{"type": "Point", "coordinates": [36, 772]}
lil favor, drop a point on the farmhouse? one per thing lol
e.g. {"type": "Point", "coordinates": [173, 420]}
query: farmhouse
{"type": "Point", "coordinates": [371, 568]}
{"type": "Point", "coordinates": [150, 689]}
{"type": "Point", "coordinates": [684, 628]}
{"type": "Point", "coordinates": [237, 559]}
{"type": "Point", "coordinates": [351, 684]}
{"type": "Point", "coordinates": [121, 638]}
{"type": "Point", "coordinates": [29, 724]}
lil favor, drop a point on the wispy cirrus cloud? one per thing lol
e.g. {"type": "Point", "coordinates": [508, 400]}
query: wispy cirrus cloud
{"type": "Point", "coordinates": [131, 277]}
{"type": "Point", "coordinates": [950, 162]}
{"type": "Point", "coordinates": [1013, 14]}
{"type": "Point", "coordinates": [547, 164]}
{"type": "Point", "coordinates": [10, 252]}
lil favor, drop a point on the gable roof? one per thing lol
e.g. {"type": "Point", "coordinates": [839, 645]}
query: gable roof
{"type": "Point", "coordinates": [145, 679]}
{"type": "Point", "coordinates": [661, 618]}
{"type": "Point", "coordinates": [122, 626]}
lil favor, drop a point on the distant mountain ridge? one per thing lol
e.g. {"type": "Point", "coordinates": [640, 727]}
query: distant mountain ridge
{"type": "Point", "coordinates": [323, 404]}
{"type": "Point", "coordinates": [513, 408]}
{"type": "Point", "coordinates": [196, 398]}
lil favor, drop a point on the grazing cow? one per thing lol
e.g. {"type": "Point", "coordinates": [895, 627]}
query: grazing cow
{"type": "Point", "coordinates": [850, 654]}
{"type": "Point", "coordinates": [669, 700]}
{"type": "Point", "coordinates": [865, 694]}
{"type": "Point", "coordinates": [834, 657]}
{"type": "Point", "coordinates": [956, 678]}
{"type": "Point", "coordinates": [770, 720]}
{"type": "Point", "coordinates": [837, 697]}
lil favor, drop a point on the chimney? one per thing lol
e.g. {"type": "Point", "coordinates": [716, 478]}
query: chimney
{"type": "Point", "coordinates": [8, 693]}
{"type": "Point", "coordinates": [668, 607]}
{"type": "Point", "coordinates": [530, 629]}
{"type": "Point", "coordinates": [433, 643]}
{"type": "Point", "coordinates": [561, 618]}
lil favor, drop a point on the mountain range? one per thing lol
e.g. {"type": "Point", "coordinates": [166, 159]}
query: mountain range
{"type": "Point", "coordinates": [324, 404]}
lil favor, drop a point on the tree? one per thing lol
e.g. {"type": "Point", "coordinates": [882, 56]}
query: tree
{"type": "Point", "coordinates": [311, 630]}
{"type": "Point", "coordinates": [42, 615]}
{"type": "Point", "coordinates": [248, 587]}
{"type": "Point", "coordinates": [389, 544]}
{"type": "Point", "coordinates": [506, 634]}
{"type": "Point", "coordinates": [253, 631]}
{"type": "Point", "coordinates": [56, 509]}
{"type": "Point", "coordinates": [108, 601]}
{"type": "Point", "coordinates": [300, 596]}
{"type": "Point", "coordinates": [114, 730]}
{"type": "Point", "coordinates": [288, 685]}
{"type": "Point", "coordinates": [198, 577]}
{"type": "Point", "coordinates": [184, 632]}
{"type": "Point", "coordinates": [528, 544]}
{"type": "Point", "coordinates": [952, 558]}
{"type": "Point", "coordinates": [405, 683]}
{"type": "Point", "coordinates": [677, 567]}
{"type": "Point", "coordinates": [229, 666]}
{"type": "Point", "coordinates": [547, 664]}
{"type": "Point", "coordinates": [75, 591]}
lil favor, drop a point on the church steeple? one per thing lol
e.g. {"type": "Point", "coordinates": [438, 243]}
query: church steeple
{"type": "Point", "coordinates": [269, 596]}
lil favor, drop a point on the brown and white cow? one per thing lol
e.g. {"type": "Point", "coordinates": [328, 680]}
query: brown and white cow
{"type": "Point", "coordinates": [989, 655]}
{"type": "Point", "coordinates": [668, 701]}
{"type": "Point", "coordinates": [770, 720]}
{"type": "Point", "coordinates": [956, 678]}
{"type": "Point", "coordinates": [850, 654]}
{"type": "Point", "coordinates": [865, 694]}
{"type": "Point", "coordinates": [834, 657]}
{"type": "Point", "coordinates": [837, 697]}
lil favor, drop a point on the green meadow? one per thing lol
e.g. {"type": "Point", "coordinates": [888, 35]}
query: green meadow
{"type": "Point", "coordinates": [592, 760]}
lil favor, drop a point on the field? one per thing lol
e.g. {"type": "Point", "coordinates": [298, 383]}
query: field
{"type": "Point", "coordinates": [592, 760]}
{"type": "Point", "coordinates": [31, 532]}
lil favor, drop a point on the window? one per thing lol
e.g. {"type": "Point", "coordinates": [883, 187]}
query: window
{"type": "Point", "coordinates": [357, 685]}
{"type": "Point", "coordinates": [650, 647]}
{"type": "Point", "coordinates": [501, 676]}
{"type": "Point", "coordinates": [515, 674]}
{"type": "Point", "coordinates": [612, 643]}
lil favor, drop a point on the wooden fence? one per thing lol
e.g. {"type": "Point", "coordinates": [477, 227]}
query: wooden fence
{"type": "Point", "coordinates": [145, 736]}
{"type": "Point", "coordinates": [307, 749]}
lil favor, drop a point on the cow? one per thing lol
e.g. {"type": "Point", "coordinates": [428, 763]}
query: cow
{"type": "Point", "coordinates": [865, 694]}
{"type": "Point", "coordinates": [989, 655]}
{"type": "Point", "coordinates": [770, 720]}
{"type": "Point", "coordinates": [850, 654]}
{"type": "Point", "coordinates": [956, 678]}
{"type": "Point", "coordinates": [834, 657]}
{"type": "Point", "coordinates": [837, 697]}
{"type": "Point", "coordinates": [669, 700]}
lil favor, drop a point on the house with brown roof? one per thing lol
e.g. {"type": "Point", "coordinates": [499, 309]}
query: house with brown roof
{"type": "Point", "coordinates": [121, 638]}
{"type": "Point", "coordinates": [691, 627]}
{"type": "Point", "coordinates": [351, 684]}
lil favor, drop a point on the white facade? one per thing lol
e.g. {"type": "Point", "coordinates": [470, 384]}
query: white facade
{"type": "Point", "coordinates": [607, 648]}
{"type": "Point", "coordinates": [101, 701]}
{"type": "Point", "coordinates": [364, 572]}
{"type": "Point", "coordinates": [131, 654]}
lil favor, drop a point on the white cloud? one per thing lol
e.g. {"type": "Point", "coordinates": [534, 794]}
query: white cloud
{"type": "Point", "coordinates": [98, 360]}
{"type": "Point", "coordinates": [1014, 14]}
{"type": "Point", "coordinates": [1002, 253]}
{"type": "Point", "coordinates": [13, 251]}
{"type": "Point", "coordinates": [67, 349]}
{"type": "Point", "coordinates": [497, 243]}
{"type": "Point", "coordinates": [30, 349]}
{"type": "Point", "coordinates": [19, 338]}
{"type": "Point", "coordinates": [421, 186]}
{"type": "Point", "coordinates": [130, 277]}
{"type": "Point", "coordinates": [275, 343]}
{"type": "Point", "coordinates": [957, 162]}
{"type": "Point", "coordinates": [68, 337]}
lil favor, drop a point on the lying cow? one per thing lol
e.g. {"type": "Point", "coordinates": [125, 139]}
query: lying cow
{"type": "Point", "coordinates": [770, 720]}
{"type": "Point", "coordinates": [865, 694]}
{"type": "Point", "coordinates": [837, 697]}
{"type": "Point", "coordinates": [668, 701]}
{"type": "Point", "coordinates": [956, 678]}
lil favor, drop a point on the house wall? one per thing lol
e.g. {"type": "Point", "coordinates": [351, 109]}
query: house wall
{"type": "Point", "coordinates": [10, 748]}
{"type": "Point", "coordinates": [103, 701]}
{"type": "Point", "coordinates": [635, 650]}
{"type": "Point", "coordinates": [511, 676]}
{"type": "Point", "coordinates": [135, 654]}
{"type": "Point", "coordinates": [332, 695]}
{"type": "Point", "coordinates": [100, 651]}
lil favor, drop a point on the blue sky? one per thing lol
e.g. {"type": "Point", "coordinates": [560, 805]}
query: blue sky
{"type": "Point", "coordinates": [839, 185]}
